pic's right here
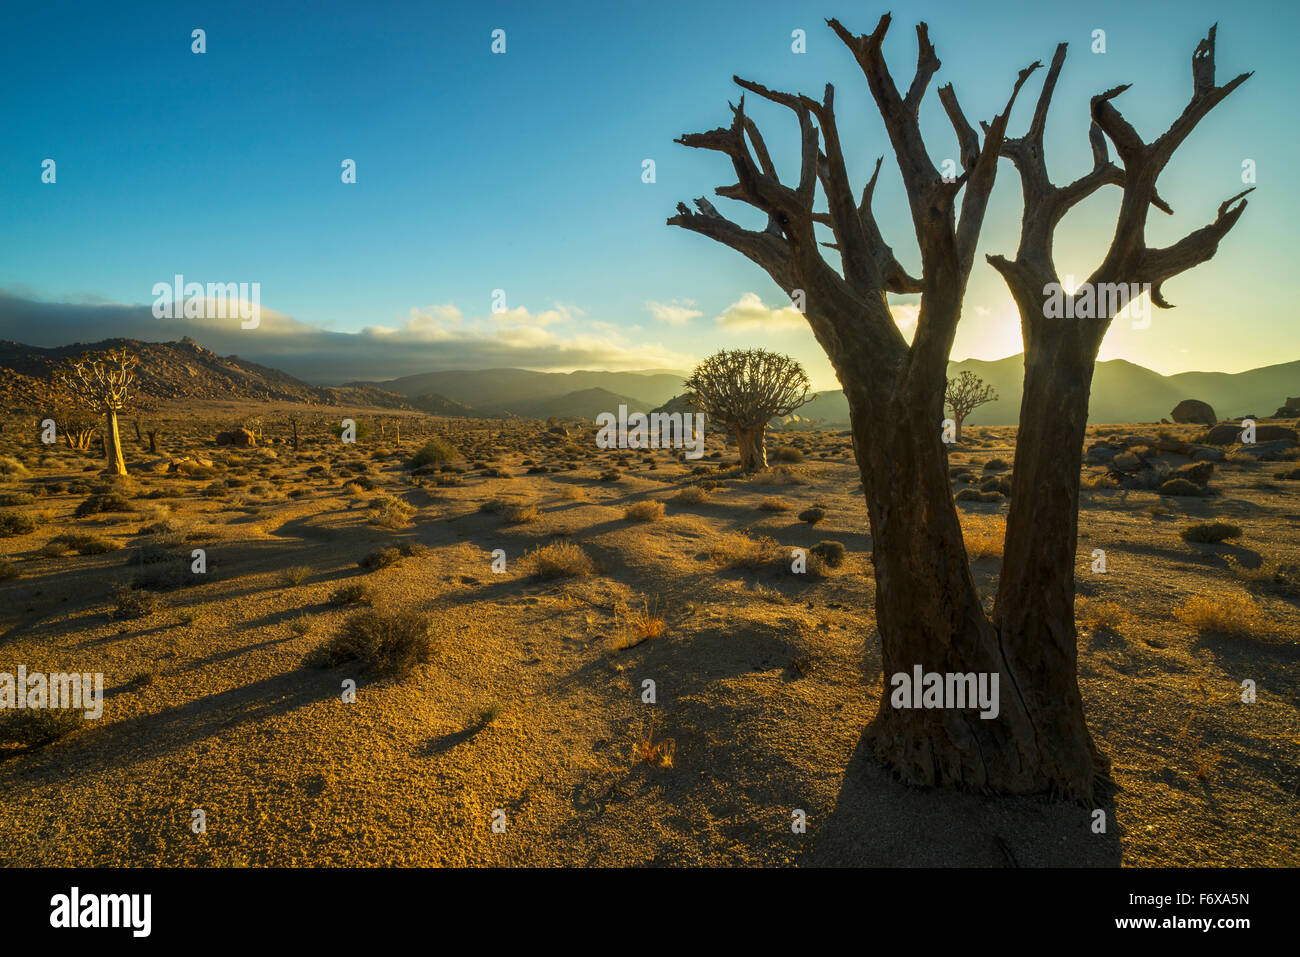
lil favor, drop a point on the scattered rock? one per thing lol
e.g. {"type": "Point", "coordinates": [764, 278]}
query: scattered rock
{"type": "Point", "coordinates": [1230, 434]}
{"type": "Point", "coordinates": [1263, 451]}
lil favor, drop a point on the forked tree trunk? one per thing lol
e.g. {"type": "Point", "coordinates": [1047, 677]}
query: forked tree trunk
{"type": "Point", "coordinates": [929, 612]}
{"type": "Point", "coordinates": [753, 452]}
{"type": "Point", "coordinates": [1034, 611]}
{"type": "Point", "coordinates": [114, 464]}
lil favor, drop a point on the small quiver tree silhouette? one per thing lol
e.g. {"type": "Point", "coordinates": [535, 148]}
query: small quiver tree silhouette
{"type": "Point", "coordinates": [103, 381]}
{"type": "Point", "coordinates": [966, 393]}
{"type": "Point", "coordinates": [744, 389]}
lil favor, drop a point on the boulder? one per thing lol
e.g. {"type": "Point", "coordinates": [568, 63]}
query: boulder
{"type": "Point", "coordinates": [1129, 462]}
{"type": "Point", "coordinates": [1099, 454]}
{"type": "Point", "coordinates": [1275, 433]}
{"type": "Point", "coordinates": [1206, 453]}
{"type": "Point", "coordinates": [238, 437]}
{"type": "Point", "coordinates": [1198, 472]}
{"type": "Point", "coordinates": [1194, 410]}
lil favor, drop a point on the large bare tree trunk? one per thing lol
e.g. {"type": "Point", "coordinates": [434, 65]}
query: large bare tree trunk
{"type": "Point", "coordinates": [753, 452]}
{"type": "Point", "coordinates": [114, 464]}
{"type": "Point", "coordinates": [1034, 610]}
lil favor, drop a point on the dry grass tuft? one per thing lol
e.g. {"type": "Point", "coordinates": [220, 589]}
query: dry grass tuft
{"type": "Point", "coordinates": [560, 560]}
{"type": "Point", "coordinates": [984, 535]}
{"type": "Point", "coordinates": [1232, 614]}
{"type": "Point", "coordinates": [1103, 615]}
{"type": "Point", "coordinates": [691, 495]}
{"type": "Point", "coordinates": [647, 511]}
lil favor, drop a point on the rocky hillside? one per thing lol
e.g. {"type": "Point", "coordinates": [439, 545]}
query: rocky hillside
{"type": "Point", "coordinates": [175, 370]}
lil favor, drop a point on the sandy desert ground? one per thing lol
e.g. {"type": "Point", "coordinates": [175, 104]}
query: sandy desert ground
{"type": "Point", "coordinates": [531, 700]}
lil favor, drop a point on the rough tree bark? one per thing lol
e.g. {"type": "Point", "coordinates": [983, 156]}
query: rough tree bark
{"type": "Point", "coordinates": [927, 608]}
{"type": "Point", "coordinates": [113, 462]}
{"type": "Point", "coordinates": [753, 451]}
{"type": "Point", "coordinates": [1034, 609]}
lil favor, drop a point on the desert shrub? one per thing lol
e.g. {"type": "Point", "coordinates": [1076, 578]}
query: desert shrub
{"type": "Point", "coordinates": [1235, 615]}
{"type": "Point", "coordinates": [996, 465]}
{"type": "Point", "coordinates": [17, 523]}
{"type": "Point", "coordinates": [294, 575]}
{"type": "Point", "coordinates": [560, 560]}
{"type": "Point", "coordinates": [832, 553]}
{"type": "Point", "coordinates": [788, 453]}
{"type": "Point", "coordinates": [643, 624]}
{"type": "Point", "coordinates": [148, 554]}
{"type": "Point", "coordinates": [1210, 532]}
{"type": "Point", "coordinates": [13, 468]}
{"type": "Point", "coordinates": [521, 514]}
{"type": "Point", "coordinates": [34, 727]}
{"type": "Point", "coordinates": [611, 475]}
{"type": "Point", "coordinates": [9, 570]}
{"type": "Point", "coordinates": [104, 502]}
{"type": "Point", "coordinates": [10, 499]}
{"type": "Point", "coordinates": [1098, 479]}
{"type": "Point", "coordinates": [983, 534]}
{"type": "Point", "coordinates": [1180, 486]}
{"type": "Point", "coordinates": [752, 554]}
{"type": "Point", "coordinates": [355, 593]}
{"type": "Point", "coordinates": [134, 603]}
{"type": "Point", "coordinates": [774, 504]}
{"type": "Point", "coordinates": [494, 506]}
{"type": "Point", "coordinates": [691, 495]}
{"type": "Point", "coordinates": [382, 643]}
{"type": "Point", "coordinates": [496, 471]}
{"type": "Point", "coordinates": [812, 515]}
{"type": "Point", "coordinates": [436, 451]}
{"type": "Point", "coordinates": [647, 511]}
{"type": "Point", "coordinates": [388, 511]}
{"type": "Point", "coordinates": [1103, 615]}
{"type": "Point", "coordinates": [380, 558]}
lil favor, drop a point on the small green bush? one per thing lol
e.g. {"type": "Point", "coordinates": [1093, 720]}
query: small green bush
{"type": "Point", "coordinates": [436, 451]}
{"type": "Point", "coordinates": [17, 523]}
{"type": "Point", "coordinates": [1210, 532]}
{"type": "Point", "coordinates": [384, 644]}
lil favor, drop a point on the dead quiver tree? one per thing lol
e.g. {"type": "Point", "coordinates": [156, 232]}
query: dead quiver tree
{"type": "Point", "coordinates": [103, 381]}
{"type": "Point", "coordinates": [743, 389]}
{"type": "Point", "coordinates": [964, 394]}
{"type": "Point", "coordinates": [928, 611]}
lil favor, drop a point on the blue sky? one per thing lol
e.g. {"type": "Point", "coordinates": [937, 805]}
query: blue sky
{"type": "Point", "coordinates": [522, 171]}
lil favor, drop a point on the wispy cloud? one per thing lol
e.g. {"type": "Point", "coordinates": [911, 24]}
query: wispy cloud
{"type": "Point", "coordinates": [675, 313]}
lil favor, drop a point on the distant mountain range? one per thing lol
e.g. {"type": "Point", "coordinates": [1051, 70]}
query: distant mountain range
{"type": "Point", "coordinates": [174, 371]}
{"type": "Point", "coordinates": [521, 392]}
{"type": "Point", "coordinates": [1122, 391]}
